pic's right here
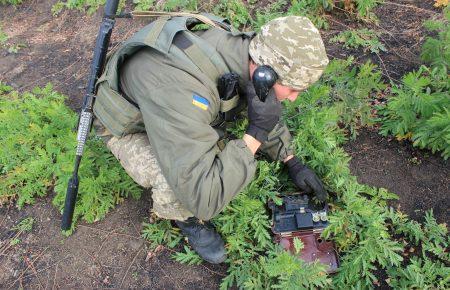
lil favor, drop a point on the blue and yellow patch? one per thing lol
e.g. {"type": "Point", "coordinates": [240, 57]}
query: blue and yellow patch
{"type": "Point", "coordinates": [200, 102]}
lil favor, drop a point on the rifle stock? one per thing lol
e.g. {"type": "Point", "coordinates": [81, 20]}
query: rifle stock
{"type": "Point", "coordinates": [86, 115]}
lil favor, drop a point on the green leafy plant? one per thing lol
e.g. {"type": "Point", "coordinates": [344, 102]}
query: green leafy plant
{"type": "Point", "coordinates": [161, 232]}
{"type": "Point", "coordinates": [436, 51]}
{"type": "Point", "coordinates": [89, 6]}
{"type": "Point", "coordinates": [350, 89]}
{"type": "Point", "coordinates": [236, 11]}
{"type": "Point", "coordinates": [12, 2]}
{"type": "Point", "coordinates": [3, 37]}
{"type": "Point", "coordinates": [187, 257]}
{"type": "Point", "coordinates": [25, 225]}
{"type": "Point", "coordinates": [313, 9]}
{"type": "Point", "coordinates": [11, 47]}
{"type": "Point", "coordinates": [364, 8]}
{"type": "Point", "coordinates": [172, 5]}
{"type": "Point", "coordinates": [143, 5]}
{"type": "Point", "coordinates": [419, 110]}
{"type": "Point", "coordinates": [422, 272]}
{"type": "Point", "coordinates": [317, 9]}
{"type": "Point", "coordinates": [38, 149]}
{"type": "Point", "coordinates": [267, 13]}
{"type": "Point", "coordinates": [365, 38]}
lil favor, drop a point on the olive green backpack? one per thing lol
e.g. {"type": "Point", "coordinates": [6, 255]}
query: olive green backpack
{"type": "Point", "coordinates": [122, 117]}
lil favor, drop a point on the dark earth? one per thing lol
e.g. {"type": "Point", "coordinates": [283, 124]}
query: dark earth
{"type": "Point", "coordinates": [111, 253]}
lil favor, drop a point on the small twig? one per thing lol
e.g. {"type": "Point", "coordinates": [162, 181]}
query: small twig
{"type": "Point", "coordinates": [382, 63]}
{"type": "Point", "coordinates": [54, 277]}
{"type": "Point", "coordinates": [131, 264]}
{"type": "Point", "coordinates": [46, 268]}
{"type": "Point", "coordinates": [214, 272]}
{"type": "Point", "coordinates": [338, 22]}
{"type": "Point", "coordinates": [49, 75]}
{"type": "Point", "coordinates": [165, 273]}
{"type": "Point", "coordinates": [103, 242]}
{"type": "Point", "coordinates": [63, 18]}
{"type": "Point", "coordinates": [134, 226]}
{"type": "Point", "coordinates": [119, 234]}
{"type": "Point", "coordinates": [4, 219]}
{"type": "Point", "coordinates": [10, 244]}
{"type": "Point", "coordinates": [383, 30]}
{"type": "Point", "coordinates": [24, 271]}
{"type": "Point", "coordinates": [34, 271]}
{"type": "Point", "coordinates": [357, 62]}
{"type": "Point", "coordinates": [411, 7]}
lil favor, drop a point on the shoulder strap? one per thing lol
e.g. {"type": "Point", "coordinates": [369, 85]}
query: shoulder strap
{"type": "Point", "coordinates": [202, 17]}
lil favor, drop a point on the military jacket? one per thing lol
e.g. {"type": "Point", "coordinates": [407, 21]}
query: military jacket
{"type": "Point", "coordinates": [178, 108]}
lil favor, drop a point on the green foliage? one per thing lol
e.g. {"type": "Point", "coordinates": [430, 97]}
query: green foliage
{"type": "Point", "coordinates": [11, 47]}
{"type": "Point", "coordinates": [89, 6]}
{"type": "Point", "coordinates": [366, 38]}
{"type": "Point", "coordinates": [38, 149]}
{"type": "Point", "coordinates": [161, 232]}
{"type": "Point", "coordinates": [12, 2]}
{"type": "Point", "coordinates": [313, 9]}
{"type": "Point", "coordinates": [422, 272]}
{"type": "Point", "coordinates": [350, 89]}
{"type": "Point", "coordinates": [316, 9]}
{"type": "Point", "coordinates": [293, 273]}
{"type": "Point", "coordinates": [364, 8]}
{"type": "Point", "coordinates": [3, 37]}
{"type": "Point", "coordinates": [25, 225]}
{"type": "Point", "coordinates": [419, 110]}
{"type": "Point", "coordinates": [436, 51]}
{"type": "Point", "coordinates": [245, 15]}
{"type": "Point", "coordinates": [143, 5]}
{"type": "Point", "coordinates": [267, 13]}
{"type": "Point", "coordinates": [187, 257]}
{"type": "Point", "coordinates": [236, 11]}
{"type": "Point", "coordinates": [15, 241]}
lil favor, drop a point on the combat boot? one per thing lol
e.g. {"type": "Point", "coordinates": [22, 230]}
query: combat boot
{"type": "Point", "coordinates": [204, 239]}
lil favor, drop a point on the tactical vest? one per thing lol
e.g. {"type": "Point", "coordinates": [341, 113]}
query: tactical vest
{"type": "Point", "coordinates": [121, 116]}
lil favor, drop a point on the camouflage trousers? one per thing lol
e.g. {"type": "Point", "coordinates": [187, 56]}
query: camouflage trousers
{"type": "Point", "coordinates": [139, 160]}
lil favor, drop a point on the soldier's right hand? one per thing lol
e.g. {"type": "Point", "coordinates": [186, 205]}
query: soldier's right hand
{"type": "Point", "coordinates": [262, 116]}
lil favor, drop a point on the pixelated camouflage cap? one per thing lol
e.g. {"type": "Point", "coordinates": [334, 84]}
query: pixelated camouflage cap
{"type": "Point", "coordinates": [293, 47]}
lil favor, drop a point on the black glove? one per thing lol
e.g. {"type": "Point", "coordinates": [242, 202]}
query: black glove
{"type": "Point", "coordinates": [305, 179]}
{"type": "Point", "coordinates": [262, 116]}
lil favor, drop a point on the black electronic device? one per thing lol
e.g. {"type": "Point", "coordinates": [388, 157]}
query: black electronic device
{"type": "Point", "coordinates": [300, 218]}
{"type": "Point", "coordinates": [264, 78]}
{"type": "Point", "coordinates": [298, 213]}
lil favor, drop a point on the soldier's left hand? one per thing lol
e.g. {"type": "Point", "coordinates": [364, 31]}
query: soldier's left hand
{"type": "Point", "coordinates": [305, 179]}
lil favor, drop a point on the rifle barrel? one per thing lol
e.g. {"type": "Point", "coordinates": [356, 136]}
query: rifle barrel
{"type": "Point", "coordinates": [86, 115]}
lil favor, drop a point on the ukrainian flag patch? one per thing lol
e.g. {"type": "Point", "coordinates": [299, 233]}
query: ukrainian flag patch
{"type": "Point", "coordinates": [200, 102]}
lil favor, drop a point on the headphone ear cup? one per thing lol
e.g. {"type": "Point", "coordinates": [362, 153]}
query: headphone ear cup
{"type": "Point", "coordinates": [264, 78]}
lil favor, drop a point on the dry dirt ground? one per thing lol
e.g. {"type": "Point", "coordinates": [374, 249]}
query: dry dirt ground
{"type": "Point", "coordinates": [111, 253]}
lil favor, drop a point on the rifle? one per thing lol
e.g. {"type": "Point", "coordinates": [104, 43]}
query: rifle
{"type": "Point", "coordinates": [86, 114]}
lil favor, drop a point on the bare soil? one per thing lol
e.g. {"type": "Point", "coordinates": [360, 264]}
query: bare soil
{"type": "Point", "coordinates": [111, 253]}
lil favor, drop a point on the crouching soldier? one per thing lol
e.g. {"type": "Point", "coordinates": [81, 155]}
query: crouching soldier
{"type": "Point", "coordinates": [160, 112]}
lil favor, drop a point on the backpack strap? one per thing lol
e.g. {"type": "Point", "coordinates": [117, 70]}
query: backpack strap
{"type": "Point", "coordinates": [158, 26]}
{"type": "Point", "coordinates": [197, 56]}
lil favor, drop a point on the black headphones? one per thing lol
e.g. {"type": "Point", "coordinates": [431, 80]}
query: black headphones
{"type": "Point", "coordinates": [264, 77]}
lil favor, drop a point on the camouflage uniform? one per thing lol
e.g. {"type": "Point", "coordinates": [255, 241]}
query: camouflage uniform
{"type": "Point", "coordinates": [178, 155]}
